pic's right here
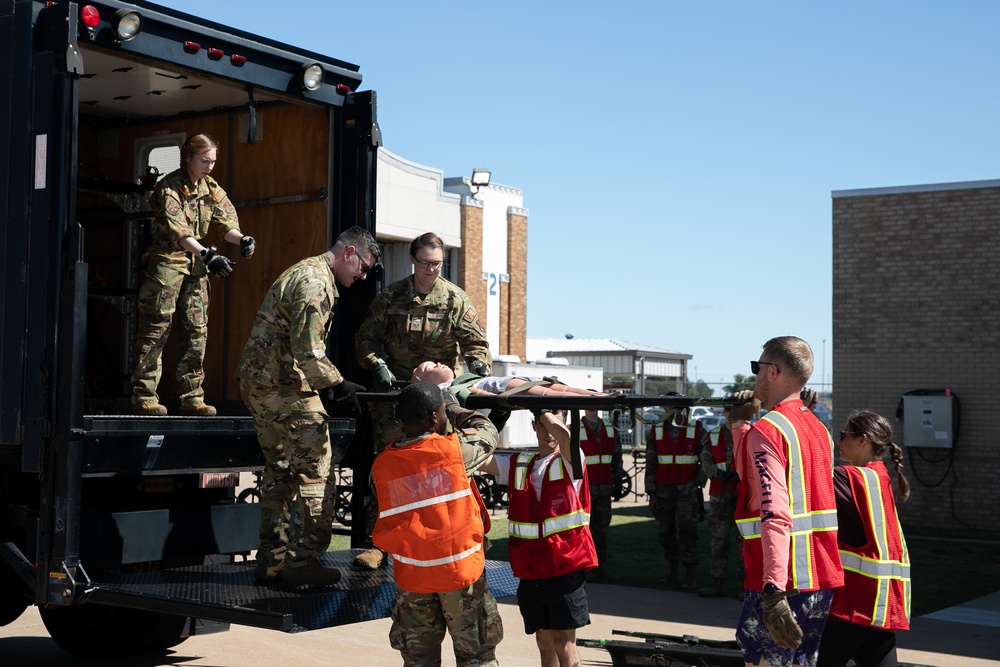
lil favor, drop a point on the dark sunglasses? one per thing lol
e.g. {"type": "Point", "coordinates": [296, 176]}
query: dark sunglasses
{"type": "Point", "coordinates": [844, 434]}
{"type": "Point", "coordinates": [755, 366]}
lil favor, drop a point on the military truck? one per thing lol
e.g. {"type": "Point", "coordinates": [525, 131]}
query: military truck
{"type": "Point", "coordinates": [128, 532]}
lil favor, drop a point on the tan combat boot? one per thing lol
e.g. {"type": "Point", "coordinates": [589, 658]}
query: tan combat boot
{"type": "Point", "coordinates": [716, 590]}
{"type": "Point", "coordinates": [371, 559]}
{"type": "Point", "coordinates": [690, 580]}
{"type": "Point", "coordinates": [197, 409]}
{"type": "Point", "coordinates": [267, 570]}
{"type": "Point", "coordinates": [310, 573]}
{"type": "Point", "coordinates": [149, 408]}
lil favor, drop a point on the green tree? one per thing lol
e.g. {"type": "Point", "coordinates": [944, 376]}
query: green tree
{"type": "Point", "coordinates": [740, 382]}
{"type": "Point", "coordinates": [698, 388]}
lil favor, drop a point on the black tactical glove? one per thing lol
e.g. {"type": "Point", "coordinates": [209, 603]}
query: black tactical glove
{"type": "Point", "coordinates": [809, 397]}
{"type": "Point", "coordinates": [383, 376]}
{"type": "Point", "coordinates": [247, 246]}
{"type": "Point", "coordinates": [778, 618]}
{"type": "Point", "coordinates": [499, 417]}
{"type": "Point", "coordinates": [480, 368]}
{"type": "Point", "coordinates": [344, 399]}
{"type": "Point", "coordinates": [747, 410]}
{"type": "Point", "coordinates": [219, 265]}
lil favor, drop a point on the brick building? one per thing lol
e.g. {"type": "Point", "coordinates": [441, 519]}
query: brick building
{"type": "Point", "coordinates": [485, 231]}
{"type": "Point", "coordinates": [916, 306]}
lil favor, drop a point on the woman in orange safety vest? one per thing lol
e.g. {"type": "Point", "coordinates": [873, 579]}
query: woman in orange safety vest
{"type": "Point", "coordinates": [875, 600]}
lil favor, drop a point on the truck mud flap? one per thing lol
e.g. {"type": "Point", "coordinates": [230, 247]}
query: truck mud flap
{"type": "Point", "coordinates": [226, 592]}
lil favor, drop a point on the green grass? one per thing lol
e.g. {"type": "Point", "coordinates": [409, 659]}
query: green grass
{"type": "Point", "coordinates": [946, 568]}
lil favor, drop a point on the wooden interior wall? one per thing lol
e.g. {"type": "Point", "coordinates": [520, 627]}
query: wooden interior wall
{"type": "Point", "coordinates": [290, 157]}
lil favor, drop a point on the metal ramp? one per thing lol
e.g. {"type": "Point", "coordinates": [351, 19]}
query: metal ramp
{"type": "Point", "coordinates": [226, 592]}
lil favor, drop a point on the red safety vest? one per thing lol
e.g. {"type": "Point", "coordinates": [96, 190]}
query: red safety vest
{"type": "Point", "coordinates": [876, 589]}
{"type": "Point", "coordinates": [430, 515]}
{"type": "Point", "coordinates": [548, 537]}
{"type": "Point", "coordinates": [722, 454]}
{"type": "Point", "coordinates": [598, 448]}
{"type": "Point", "coordinates": [814, 562]}
{"type": "Point", "coordinates": [676, 461]}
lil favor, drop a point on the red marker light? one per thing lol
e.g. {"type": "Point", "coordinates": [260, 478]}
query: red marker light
{"type": "Point", "coordinates": [90, 16]}
{"type": "Point", "coordinates": [215, 53]}
{"type": "Point", "coordinates": [341, 88]}
{"type": "Point", "coordinates": [192, 46]}
{"type": "Point", "coordinates": [238, 60]}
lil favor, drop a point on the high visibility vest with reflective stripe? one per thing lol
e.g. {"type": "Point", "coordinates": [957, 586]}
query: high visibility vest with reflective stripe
{"type": "Point", "coordinates": [429, 518]}
{"type": "Point", "coordinates": [598, 448]}
{"type": "Point", "coordinates": [548, 537]}
{"type": "Point", "coordinates": [676, 461]}
{"type": "Point", "coordinates": [814, 561]}
{"type": "Point", "coordinates": [722, 454]}
{"type": "Point", "coordinates": [876, 589]}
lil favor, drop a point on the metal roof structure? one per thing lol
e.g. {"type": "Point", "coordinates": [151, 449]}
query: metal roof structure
{"type": "Point", "coordinates": [615, 356]}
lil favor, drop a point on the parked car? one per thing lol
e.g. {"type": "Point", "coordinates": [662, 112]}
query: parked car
{"type": "Point", "coordinates": [825, 415]}
{"type": "Point", "coordinates": [712, 422]}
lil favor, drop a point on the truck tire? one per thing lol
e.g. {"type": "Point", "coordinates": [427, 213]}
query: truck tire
{"type": "Point", "coordinates": [13, 595]}
{"type": "Point", "coordinates": [102, 631]}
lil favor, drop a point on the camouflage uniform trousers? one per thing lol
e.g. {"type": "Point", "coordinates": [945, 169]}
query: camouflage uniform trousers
{"type": "Point", "coordinates": [163, 292]}
{"type": "Point", "coordinates": [294, 436]}
{"type": "Point", "coordinates": [678, 512]}
{"type": "Point", "coordinates": [470, 615]}
{"type": "Point", "coordinates": [600, 519]}
{"type": "Point", "coordinates": [721, 525]}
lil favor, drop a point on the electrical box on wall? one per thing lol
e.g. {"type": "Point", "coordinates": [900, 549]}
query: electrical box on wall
{"type": "Point", "coordinates": [927, 421]}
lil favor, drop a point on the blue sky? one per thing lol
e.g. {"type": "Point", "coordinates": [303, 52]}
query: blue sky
{"type": "Point", "coordinates": [676, 158]}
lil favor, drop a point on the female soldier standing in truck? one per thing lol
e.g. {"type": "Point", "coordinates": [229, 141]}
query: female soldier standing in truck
{"type": "Point", "coordinates": [187, 204]}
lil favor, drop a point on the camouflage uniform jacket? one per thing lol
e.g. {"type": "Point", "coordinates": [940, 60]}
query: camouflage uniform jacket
{"type": "Point", "coordinates": [287, 344]}
{"type": "Point", "coordinates": [406, 329]}
{"type": "Point", "coordinates": [181, 209]}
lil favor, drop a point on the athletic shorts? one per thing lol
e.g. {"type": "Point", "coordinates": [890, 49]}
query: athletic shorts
{"type": "Point", "coordinates": [557, 603]}
{"type": "Point", "coordinates": [810, 611]}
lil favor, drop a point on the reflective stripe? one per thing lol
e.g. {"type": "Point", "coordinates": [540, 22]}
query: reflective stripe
{"type": "Point", "coordinates": [438, 561]}
{"type": "Point", "coordinates": [679, 459]}
{"type": "Point", "coordinates": [521, 468]}
{"type": "Point", "coordinates": [883, 570]}
{"type": "Point", "coordinates": [558, 524]}
{"type": "Point", "coordinates": [426, 502]}
{"type": "Point", "coordinates": [804, 522]}
{"type": "Point", "coordinates": [814, 522]}
{"type": "Point", "coordinates": [556, 469]}
{"type": "Point", "coordinates": [689, 431]}
{"type": "Point", "coordinates": [608, 429]}
{"type": "Point", "coordinates": [596, 459]}
{"type": "Point", "coordinates": [526, 531]}
{"type": "Point", "coordinates": [722, 466]}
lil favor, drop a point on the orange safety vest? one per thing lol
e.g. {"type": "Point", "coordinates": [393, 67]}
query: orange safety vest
{"type": "Point", "coordinates": [676, 461]}
{"type": "Point", "coordinates": [814, 562]}
{"type": "Point", "coordinates": [598, 448]}
{"type": "Point", "coordinates": [876, 589]}
{"type": "Point", "coordinates": [547, 537]}
{"type": "Point", "coordinates": [430, 515]}
{"type": "Point", "coordinates": [722, 454]}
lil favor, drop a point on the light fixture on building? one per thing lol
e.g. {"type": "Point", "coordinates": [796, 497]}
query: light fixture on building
{"type": "Point", "coordinates": [480, 178]}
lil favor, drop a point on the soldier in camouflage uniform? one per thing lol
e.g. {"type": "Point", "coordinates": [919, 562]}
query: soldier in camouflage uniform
{"type": "Point", "coordinates": [716, 445]}
{"type": "Point", "coordinates": [187, 204]}
{"type": "Point", "coordinates": [676, 505]}
{"type": "Point", "coordinates": [422, 317]}
{"type": "Point", "coordinates": [286, 380]}
{"type": "Point", "coordinates": [468, 612]}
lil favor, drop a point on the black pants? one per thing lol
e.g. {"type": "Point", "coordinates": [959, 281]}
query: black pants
{"type": "Point", "coordinates": [868, 646]}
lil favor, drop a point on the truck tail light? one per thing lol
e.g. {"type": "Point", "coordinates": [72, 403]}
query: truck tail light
{"type": "Point", "coordinates": [90, 16]}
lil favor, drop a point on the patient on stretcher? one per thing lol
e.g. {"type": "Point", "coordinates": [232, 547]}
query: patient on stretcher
{"type": "Point", "coordinates": [444, 377]}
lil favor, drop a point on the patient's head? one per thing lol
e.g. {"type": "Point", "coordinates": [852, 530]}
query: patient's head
{"type": "Point", "coordinates": [431, 371]}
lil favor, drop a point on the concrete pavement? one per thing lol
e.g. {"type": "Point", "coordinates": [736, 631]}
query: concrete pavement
{"type": "Point", "coordinates": [966, 636]}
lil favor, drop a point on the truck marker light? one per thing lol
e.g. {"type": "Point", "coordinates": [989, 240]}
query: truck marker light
{"type": "Point", "coordinates": [90, 16]}
{"type": "Point", "coordinates": [215, 53]}
{"type": "Point", "coordinates": [342, 88]}
{"type": "Point", "coordinates": [238, 60]}
{"type": "Point", "coordinates": [193, 47]}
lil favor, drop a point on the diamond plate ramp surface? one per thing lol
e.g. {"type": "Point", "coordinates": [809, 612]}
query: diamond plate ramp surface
{"type": "Point", "coordinates": [227, 592]}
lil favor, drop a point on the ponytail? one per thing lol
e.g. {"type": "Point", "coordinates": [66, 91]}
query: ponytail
{"type": "Point", "coordinates": [896, 453]}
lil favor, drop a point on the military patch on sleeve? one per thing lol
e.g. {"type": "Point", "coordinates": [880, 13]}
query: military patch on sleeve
{"type": "Point", "coordinates": [469, 431]}
{"type": "Point", "coordinates": [471, 315]}
{"type": "Point", "coordinates": [173, 206]}
{"type": "Point", "coordinates": [228, 207]}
